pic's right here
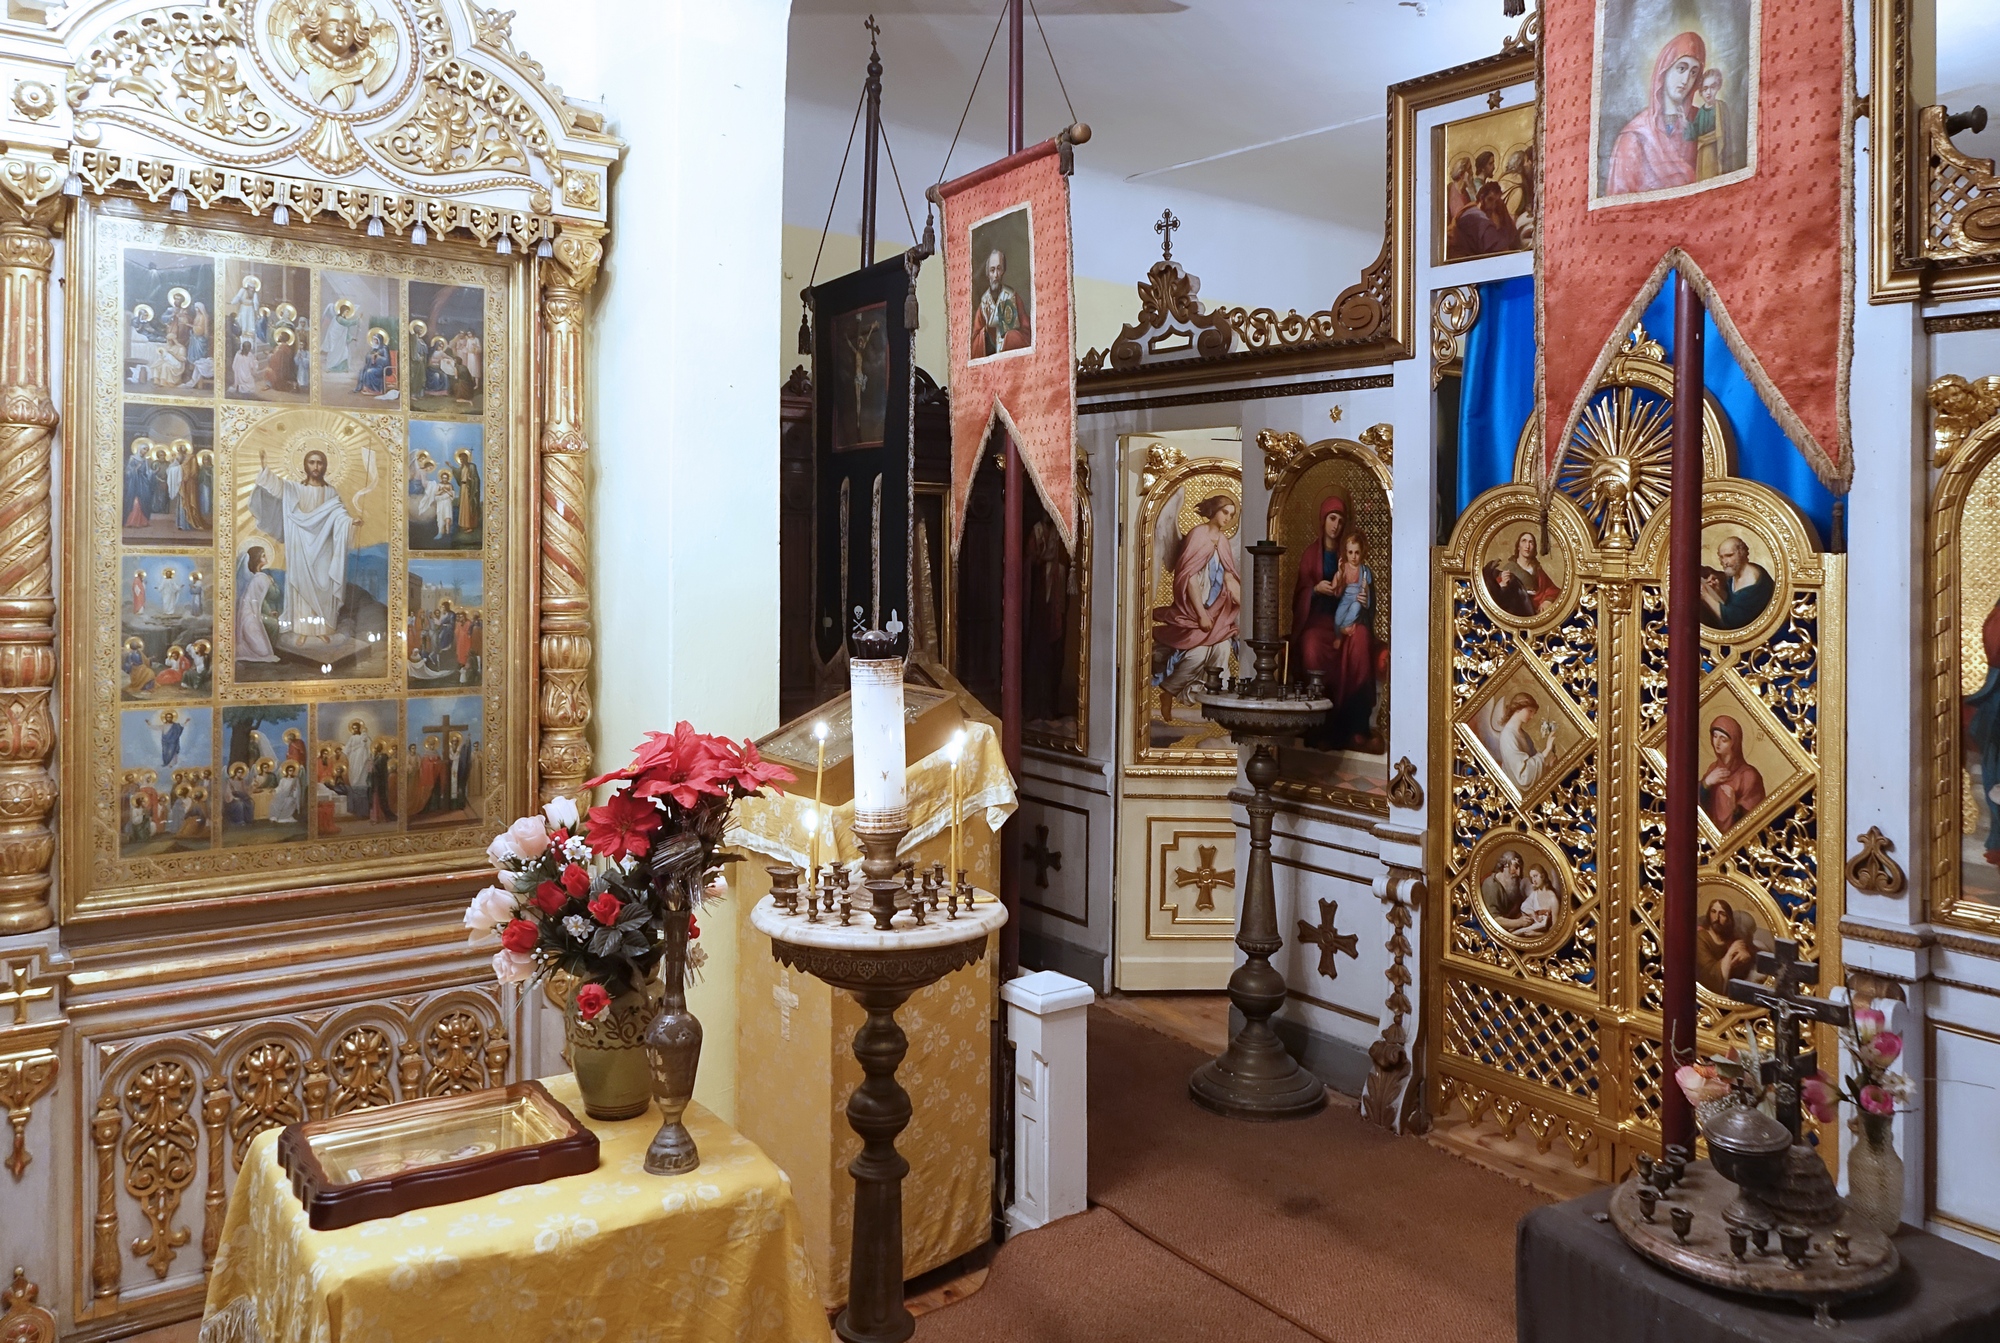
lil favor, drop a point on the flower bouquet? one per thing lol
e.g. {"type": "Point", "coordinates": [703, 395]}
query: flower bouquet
{"type": "Point", "coordinates": [1874, 1168]}
{"type": "Point", "coordinates": [605, 900]}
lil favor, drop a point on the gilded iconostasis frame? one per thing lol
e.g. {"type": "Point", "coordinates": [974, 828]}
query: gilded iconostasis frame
{"type": "Point", "coordinates": [1963, 530]}
{"type": "Point", "coordinates": [1542, 944]}
{"type": "Point", "coordinates": [427, 161]}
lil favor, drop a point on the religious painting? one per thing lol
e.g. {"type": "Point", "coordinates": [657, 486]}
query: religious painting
{"type": "Point", "coordinates": [1056, 647]}
{"type": "Point", "coordinates": [1330, 511]}
{"type": "Point", "coordinates": [444, 635]}
{"type": "Point", "coordinates": [1739, 579]}
{"type": "Point", "coordinates": [1194, 609]}
{"type": "Point", "coordinates": [167, 323]}
{"type": "Point", "coordinates": [1003, 284]}
{"type": "Point", "coordinates": [169, 474]}
{"type": "Point", "coordinates": [1524, 898]}
{"type": "Point", "coordinates": [1521, 575]}
{"type": "Point", "coordinates": [1673, 97]}
{"type": "Point", "coordinates": [1484, 185]}
{"type": "Point", "coordinates": [860, 386]}
{"type": "Point", "coordinates": [445, 771]}
{"type": "Point", "coordinates": [269, 563]}
{"type": "Point", "coordinates": [356, 768]}
{"type": "Point", "coordinates": [1974, 789]}
{"type": "Point", "coordinates": [167, 624]}
{"type": "Point", "coordinates": [1732, 926]}
{"type": "Point", "coordinates": [360, 357]}
{"type": "Point", "coordinates": [311, 539]}
{"type": "Point", "coordinates": [447, 486]}
{"type": "Point", "coordinates": [447, 360]}
{"type": "Point", "coordinates": [1526, 728]}
{"type": "Point", "coordinates": [266, 780]}
{"type": "Point", "coordinates": [266, 346]}
{"type": "Point", "coordinates": [1750, 768]}
{"type": "Point", "coordinates": [165, 781]}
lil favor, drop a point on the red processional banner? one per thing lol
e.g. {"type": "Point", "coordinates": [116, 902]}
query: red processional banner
{"type": "Point", "coordinates": [1010, 326]}
{"type": "Point", "coordinates": [1716, 137]}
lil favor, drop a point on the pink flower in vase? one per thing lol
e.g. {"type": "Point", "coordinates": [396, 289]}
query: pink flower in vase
{"type": "Point", "coordinates": [1881, 1049]}
{"type": "Point", "coordinates": [1877, 1101]}
{"type": "Point", "coordinates": [1701, 1084]}
{"type": "Point", "coordinates": [1819, 1097]}
{"type": "Point", "coordinates": [1867, 1023]}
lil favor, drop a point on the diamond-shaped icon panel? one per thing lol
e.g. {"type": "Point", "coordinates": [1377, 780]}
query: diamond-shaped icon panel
{"type": "Point", "coordinates": [1525, 729]}
{"type": "Point", "coordinates": [1751, 768]}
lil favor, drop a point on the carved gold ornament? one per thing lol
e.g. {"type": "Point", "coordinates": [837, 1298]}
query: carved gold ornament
{"type": "Point", "coordinates": [1872, 871]}
{"type": "Point", "coordinates": [1161, 458]}
{"type": "Point", "coordinates": [1453, 312]}
{"type": "Point", "coordinates": [1282, 451]}
{"type": "Point", "coordinates": [1381, 440]}
{"type": "Point", "coordinates": [1958, 407]}
{"type": "Point", "coordinates": [26, 1075]}
{"type": "Point", "coordinates": [1204, 876]}
{"type": "Point", "coordinates": [24, 1321]}
{"type": "Point", "coordinates": [338, 45]}
{"type": "Point", "coordinates": [1404, 790]}
{"type": "Point", "coordinates": [1329, 940]}
{"type": "Point", "coordinates": [159, 1151]}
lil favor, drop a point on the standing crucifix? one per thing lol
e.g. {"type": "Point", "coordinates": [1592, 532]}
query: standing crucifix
{"type": "Point", "coordinates": [1165, 228]}
{"type": "Point", "coordinates": [1789, 1008]}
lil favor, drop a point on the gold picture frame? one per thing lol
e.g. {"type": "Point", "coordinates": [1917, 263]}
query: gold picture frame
{"type": "Point", "coordinates": [1496, 146]}
{"type": "Point", "coordinates": [1177, 487]}
{"type": "Point", "coordinates": [197, 854]}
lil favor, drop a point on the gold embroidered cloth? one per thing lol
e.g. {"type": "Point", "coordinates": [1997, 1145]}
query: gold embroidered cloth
{"type": "Point", "coordinates": [717, 1254]}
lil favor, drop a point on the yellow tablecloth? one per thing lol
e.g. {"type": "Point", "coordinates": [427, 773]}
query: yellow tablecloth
{"type": "Point", "coordinates": [615, 1256]}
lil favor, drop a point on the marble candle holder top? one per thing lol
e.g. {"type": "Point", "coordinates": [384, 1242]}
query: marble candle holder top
{"type": "Point", "coordinates": [862, 934]}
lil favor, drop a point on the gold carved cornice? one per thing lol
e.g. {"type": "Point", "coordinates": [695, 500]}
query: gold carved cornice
{"type": "Point", "coordinates": [1958, 407]}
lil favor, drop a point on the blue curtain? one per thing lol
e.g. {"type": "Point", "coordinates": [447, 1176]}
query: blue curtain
{"type": "Point", "coordinates": [1499, 394]}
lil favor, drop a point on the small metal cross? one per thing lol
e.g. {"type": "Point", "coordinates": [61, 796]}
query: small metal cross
{"type": "Point", "coordinates": [1204, 876]}
{"type": "Point", "coordinates": [1328, 940]}
{"type": "Point", "coordinates": [1789, 1009]}
{"type": "Point", "coordinates": [1165, 228]}
{"type": "Point", "coordinates": [874, 31]}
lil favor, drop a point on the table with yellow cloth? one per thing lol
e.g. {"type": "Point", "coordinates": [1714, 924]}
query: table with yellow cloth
{"type": "Point", "coordinates": [615, 1256]}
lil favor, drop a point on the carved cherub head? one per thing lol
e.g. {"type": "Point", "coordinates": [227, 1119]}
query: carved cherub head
{"type": "Point", "coordinates": [336, 45]}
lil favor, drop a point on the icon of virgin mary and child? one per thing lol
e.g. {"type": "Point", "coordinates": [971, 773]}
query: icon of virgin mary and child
{"type": "Point", "coordinates": [1333, 629]}
{"type": "Point", "coordinates": [1681, 136]}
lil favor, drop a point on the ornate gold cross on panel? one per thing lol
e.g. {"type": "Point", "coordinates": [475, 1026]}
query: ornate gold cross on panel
{"type": "Point", "coordinates": [20, 995]}
{"type": "Point", "coordinates": [1204, 876]}
{"type": "Point", "coordinates": [1328, 940]}
{"type": "Point", "coordinates": [1042, 856]}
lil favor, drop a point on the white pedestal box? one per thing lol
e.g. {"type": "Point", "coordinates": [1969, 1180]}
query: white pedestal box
{"type": "Point", "coordinates": [1046, 1023]}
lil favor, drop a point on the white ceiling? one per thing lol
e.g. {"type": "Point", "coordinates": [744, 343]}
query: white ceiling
{"type": "Point", "coordinates": [1272, 103]}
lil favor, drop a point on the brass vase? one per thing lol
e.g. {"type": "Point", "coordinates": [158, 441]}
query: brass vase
{"type": "Point", "coordinates": [608, 1055]}
{"type": "Point", "coordinates": [673, 1052]}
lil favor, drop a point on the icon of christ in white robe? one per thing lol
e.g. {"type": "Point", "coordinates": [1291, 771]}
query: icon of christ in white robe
{"type": "Point", "coordinates": [313, 522]}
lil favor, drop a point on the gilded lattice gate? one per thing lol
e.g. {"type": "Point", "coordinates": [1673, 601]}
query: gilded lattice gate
{"type": "Point", "coordinates": [1542, 946]}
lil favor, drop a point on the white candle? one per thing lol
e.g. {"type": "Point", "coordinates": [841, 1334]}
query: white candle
{"type": "Point", "coordinates": [881, 794]}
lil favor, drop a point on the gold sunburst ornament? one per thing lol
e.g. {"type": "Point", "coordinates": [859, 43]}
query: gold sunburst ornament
{"type": "Point", "coordinates": [1618, 464]}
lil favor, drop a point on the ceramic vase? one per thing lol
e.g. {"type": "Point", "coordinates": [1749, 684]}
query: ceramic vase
{"type": "Point", "coordinates": [608, 1055]}
{"type": "Point", "coordinates": [1875, 1174]}
{"type": "Point", "coordinates": [673, 1052]}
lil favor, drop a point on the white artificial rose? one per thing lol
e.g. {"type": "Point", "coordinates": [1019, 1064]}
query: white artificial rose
{"type": "Point", "coordinates": [512, 967]}
{"type": "Point", "coordinates": [488, 910]}
{"type": "Point", "coordinates": [560, 813]}
{"type": "Point", "coordinates": [530, 837]}
{"type": "Point", "coordinates": [502, 850]}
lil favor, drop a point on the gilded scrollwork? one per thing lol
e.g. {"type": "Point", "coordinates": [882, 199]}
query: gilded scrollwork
{"type": "Point", "coordinates": [1454, 310]}
{"type": "Point", "coordinates": [360, 1067]}
{"type": "Point", "coordinates": [182, 62]}
{"type": "Point", "coordinates": [455, 1049]}
{"type": "Point", "coordinates": [265, 1083]}
{"type": "Point", "coordinates": [159, 1151]}
{"type": "Point", "coordinates": [1959, 406]}
{"type": "Point", "coordinates": [215, 1128]}
{"type": "Point", "coordinates": [106, 1272]}
{"type": "Point", "coordinates": [22, 1318]}
{"type": "Point", "coordinates": [452, 131]}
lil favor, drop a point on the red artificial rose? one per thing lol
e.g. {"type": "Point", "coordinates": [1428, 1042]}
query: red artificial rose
{"type": "Point", "coordinates": [623, 827]}
{"type": "Point", "coordinates": [520, 936]}
{"type": "Point", "coordinates": [694, 930]}
{"type": "Point", "coordinates": [590, 1000]}
{"type": "Point", "coordinates": [558, 837]}
{"type": "Point", "coordinates": [605, 909]}
{"type": "Point", "coordinates": [549, 897]}
{"type": "Point", "coordinates": [576, 881]}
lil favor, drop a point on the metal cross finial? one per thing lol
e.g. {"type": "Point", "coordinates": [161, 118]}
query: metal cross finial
{"type": "Point", "coordinates": [1165, 228]}
{"type": "Point", "coordinates": [874, 32]}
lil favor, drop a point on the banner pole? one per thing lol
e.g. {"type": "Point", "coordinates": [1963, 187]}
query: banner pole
{"type": "Point", "coordinates": [1013, 591]}
{"type": "Point", "coordinates": [1678, 915]}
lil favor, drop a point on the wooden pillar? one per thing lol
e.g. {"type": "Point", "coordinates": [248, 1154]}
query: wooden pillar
{"type": "Point", "coordinates": [31, 202]}
{"type": "Point", "coordinates": [1677, 905]}
{"type": "Point", "coordinates": [563, 760]}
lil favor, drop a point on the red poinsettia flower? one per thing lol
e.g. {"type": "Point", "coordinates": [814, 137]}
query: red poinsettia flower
{"type": "Point", "coordinates": [549, 898]}
{"type": "Point", "coordinates": [576, 881]}
{"type": "Point", "coordinates": [591, 999]}
{"type": "Point", "coordinates": [751, 773]}
{"type": "Point", "coordinates": [605, 908]}
{"type": "Point", "coordinates": [520, 936]}
{"type": "Point", "coordinates": [623, 827]}
{"type": "Point", "coordinates": [694, 929]}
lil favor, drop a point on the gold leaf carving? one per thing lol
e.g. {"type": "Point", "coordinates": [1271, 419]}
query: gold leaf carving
{"type": "Point", "coordinates": [455, 1050]}
{"type": "Point", "coordinates": [182, 62]}
{"type": "Point", "coordinates": [264, 1082]}
{"type": "Point", "coordinates": [1160, 459]}
{"type": "Point", "coordinates": [450, 132]}
{"type": "Point", "coordinates": [1404, 790]}
{"type": "Point", "coordinates": [105, 1269]}
{"type": "Point", "coordinates": [336, 47]}
{"type": "Point", "coordinates": [1282, 451]}
{"type": "Point", "coordinates": [1381, 438]}
{"type": "Point", "coordinates": [1872, 871]}
{"type": "Point", "coordinates": [159, 1152]}
{"type": "Point", "coordinates": [1958, 407]}
{"type": "Point", "coordinates": [360, 1066]}
{"type": "Point", "coordinates": [24, 1079]}
{"type": "Point", "coordinates": [24, 1320]}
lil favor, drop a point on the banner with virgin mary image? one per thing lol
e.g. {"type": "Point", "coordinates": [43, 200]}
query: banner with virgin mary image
{"type": "Point", "coordinates": [1712, 137]}
{"type": "Point", "coordinates": [1010, 327]}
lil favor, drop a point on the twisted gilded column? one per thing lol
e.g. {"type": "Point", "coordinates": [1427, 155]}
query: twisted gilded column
{"type": "Point", "coordinates": [563, 761]}
{"type": "Point", "coordinates": [30, 204]}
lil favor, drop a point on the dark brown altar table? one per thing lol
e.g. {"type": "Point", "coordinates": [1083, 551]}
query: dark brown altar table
{"type": "Point", "coordinates": [1576, 1282]}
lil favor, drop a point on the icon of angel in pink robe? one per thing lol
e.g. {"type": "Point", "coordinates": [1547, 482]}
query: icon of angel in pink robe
{"type": "Point", "coordinates": [1655, 150]}
{"type": "Point", "coordinates": [1199, 629]}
